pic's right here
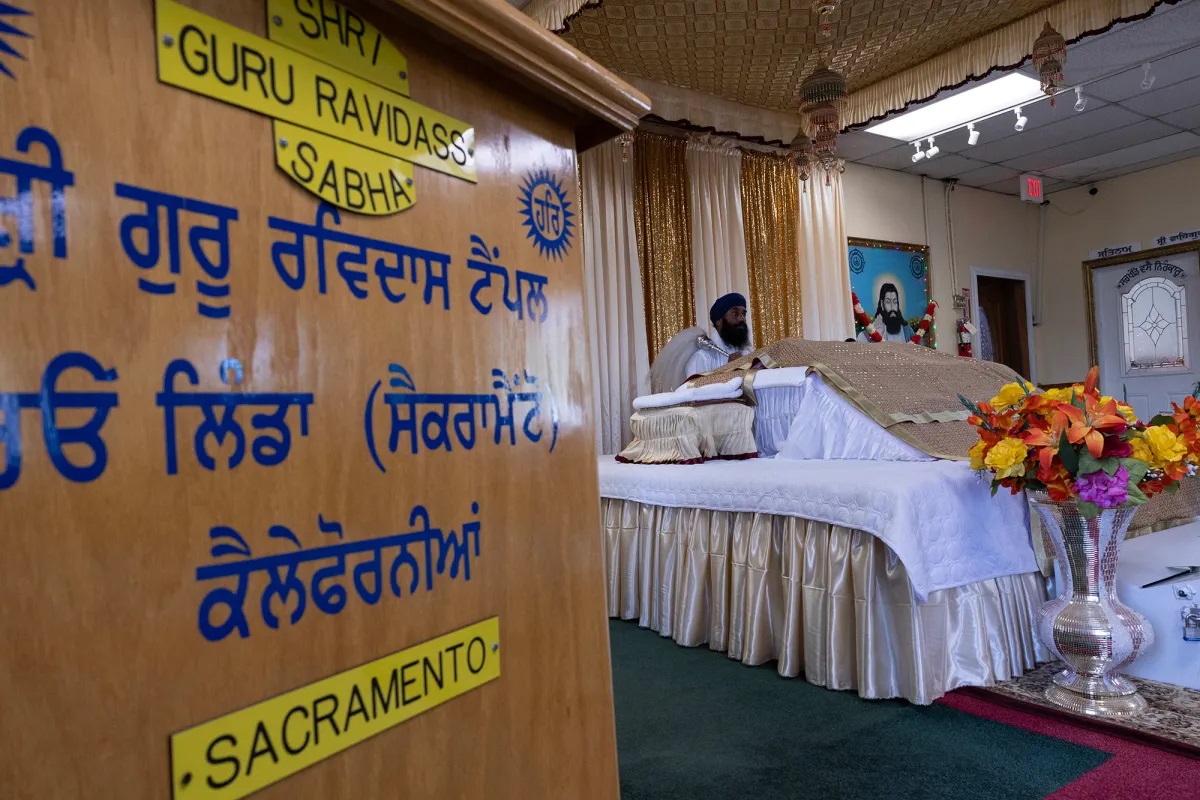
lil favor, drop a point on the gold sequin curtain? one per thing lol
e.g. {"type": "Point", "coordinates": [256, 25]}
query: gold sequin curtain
{"type": "Point", "coordinates": [664, 236]}
{"type": "Point", "coordinates": [771, 216]}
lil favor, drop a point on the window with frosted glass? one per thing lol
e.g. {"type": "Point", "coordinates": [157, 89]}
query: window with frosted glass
{"type": "Point", "coordinates": [1154, 322]}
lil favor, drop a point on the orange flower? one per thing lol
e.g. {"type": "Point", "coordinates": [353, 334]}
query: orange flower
{"type": "Point", "coordinates": [1089, 424]}
{"type": "Point", "coordinates": [1045, 440]}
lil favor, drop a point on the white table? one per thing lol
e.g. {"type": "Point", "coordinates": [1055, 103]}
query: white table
{"type": "Point", "coordinates": [1147, 558]}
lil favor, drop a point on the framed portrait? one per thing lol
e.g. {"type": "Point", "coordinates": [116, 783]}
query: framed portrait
{"type": "Point", "coordinates": [891, 280]}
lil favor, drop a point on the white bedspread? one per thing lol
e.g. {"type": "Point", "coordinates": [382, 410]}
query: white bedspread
{"type": "Point", "coordinates": [937, 516]}
{"type": "Point", "coordinates": [827, 426]}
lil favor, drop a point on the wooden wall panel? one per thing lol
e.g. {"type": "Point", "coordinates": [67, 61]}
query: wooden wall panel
{"type": "Point", "coordinates": [101, 657]}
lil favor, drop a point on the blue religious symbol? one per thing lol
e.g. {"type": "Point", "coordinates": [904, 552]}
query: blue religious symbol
{"type": "Point", "coordinates": [547, 214]}
{"type": "Point", "coordinates": [10, 30]}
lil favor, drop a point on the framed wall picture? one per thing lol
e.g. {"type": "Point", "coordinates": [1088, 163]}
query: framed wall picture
{"type": "Point", "coordinates": [891, 280]}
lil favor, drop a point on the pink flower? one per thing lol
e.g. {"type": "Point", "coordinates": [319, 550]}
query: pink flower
{"type": "Point", "coordinates": [1116, 447]}
{"type": "Point", "coordinates": [1106, 491]}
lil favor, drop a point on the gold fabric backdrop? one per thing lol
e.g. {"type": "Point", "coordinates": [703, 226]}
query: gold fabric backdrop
{"type": "Point", "coordinates": [664, 234]}
{"type": "Point", "coordinates": [771, 216]}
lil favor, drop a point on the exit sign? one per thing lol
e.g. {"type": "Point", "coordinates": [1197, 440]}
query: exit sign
{"type": "Point", "coordinates": [1031, 188]}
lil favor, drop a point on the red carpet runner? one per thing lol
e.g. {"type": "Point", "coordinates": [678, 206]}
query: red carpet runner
{"type": "Point", "coordinates": [1136, 770]}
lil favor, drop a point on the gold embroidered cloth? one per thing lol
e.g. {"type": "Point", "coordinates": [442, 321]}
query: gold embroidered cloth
{"type": "Point", "coordinates": [910, 390]}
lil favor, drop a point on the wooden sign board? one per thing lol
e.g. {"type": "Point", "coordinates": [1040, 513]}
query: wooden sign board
{"type": "Point", "coordinates": [297, 477]}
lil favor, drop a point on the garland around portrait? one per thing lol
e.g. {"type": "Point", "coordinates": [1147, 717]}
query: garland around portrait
{"type": "Point", "coordinates": [868, 324]}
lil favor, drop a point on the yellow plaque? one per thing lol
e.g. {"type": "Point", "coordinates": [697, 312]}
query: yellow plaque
{"type": "Point", "coordinates": [350, 177]}
{"type": "Point", "coordinates": [217, 60]}
{"type": "Point", "coordinates": [330, 32]}
{"type": "Point", "coordinates": [240, 753]}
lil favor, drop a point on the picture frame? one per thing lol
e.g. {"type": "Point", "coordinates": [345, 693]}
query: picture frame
{"type": "Point", "coordinates": [876, 264]}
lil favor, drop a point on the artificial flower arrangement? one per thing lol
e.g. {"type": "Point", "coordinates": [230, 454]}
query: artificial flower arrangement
{"type": "Point", "coordinates": [866, 323]}
{"type": "Point", "coordinates": [1075, 444]}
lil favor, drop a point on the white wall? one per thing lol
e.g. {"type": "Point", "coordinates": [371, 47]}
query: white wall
{"type": "Point", "coordinates": [1133, 208]}
{"type": "Point", "coordinates": [991, 230]}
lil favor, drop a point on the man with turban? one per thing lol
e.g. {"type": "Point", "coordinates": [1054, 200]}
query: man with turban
{"type": "Point", "coordinates": [693, 352]}
{"type": "Point", "coordinates": [889, 317]}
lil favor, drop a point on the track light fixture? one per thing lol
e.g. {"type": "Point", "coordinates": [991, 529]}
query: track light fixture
{"type": "Point", "coordinates": [917, 156]}
{"type": "Point", "coordinates": [1147, 78]}
{"type": "Point", "coordinates": [1021, 120]}
{"type": "Point", "coordinates": [933, 149]}
{"type": "Point", "coordinates": [1080, 100]}
{"type": "Point", "coordinates": [972, 134]}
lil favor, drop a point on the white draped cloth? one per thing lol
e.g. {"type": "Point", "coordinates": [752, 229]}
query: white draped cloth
{"type": "Point", "coordinates": [919, 509]}
{"type": "Point", "coordinates": [718, 235]}
{"type": "Point", "coordinates": [824, 261]}
{"type": "Point", "coordinates": [828, 601]}
{"type": "Point", "coordinates": [614, 311]}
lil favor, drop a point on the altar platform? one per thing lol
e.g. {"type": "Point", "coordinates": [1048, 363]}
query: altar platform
{"type": "Point", "coordinates": [889, 579]}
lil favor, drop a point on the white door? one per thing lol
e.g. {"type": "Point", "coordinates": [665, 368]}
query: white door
{"type": "Point", "coordinates": [1147, 322]}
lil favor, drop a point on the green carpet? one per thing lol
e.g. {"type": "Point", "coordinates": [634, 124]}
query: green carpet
{"type": "Point", "coordinates": [693, 724]}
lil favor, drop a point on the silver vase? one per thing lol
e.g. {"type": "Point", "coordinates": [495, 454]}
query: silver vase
{"type": "Point", "coordinates": [1087, 626]}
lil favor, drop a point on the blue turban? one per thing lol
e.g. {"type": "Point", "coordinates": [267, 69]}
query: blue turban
{"type": "Point", "coordinates": [724, 304]}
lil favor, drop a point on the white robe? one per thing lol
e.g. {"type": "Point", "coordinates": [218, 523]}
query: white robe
{"type": "Point", "coordinates": [706, 359]}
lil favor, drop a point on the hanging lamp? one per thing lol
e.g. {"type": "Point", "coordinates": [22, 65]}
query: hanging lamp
{"type": "Point", "coordinates": [822, 101]}
{"type": "Point", "coordinates": [1049, 59]}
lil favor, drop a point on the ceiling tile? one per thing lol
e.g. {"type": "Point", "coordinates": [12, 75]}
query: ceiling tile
{"type": "Point", "coordinates": [1084, 170]}
{"type": "Point", "coordinates": [989, 174]}
{"type": "Point", "coordinates": [948, 165]}
{"type": "Point", "coordinates": [1133, 44]}
{"type": "Point", "coordinates": [1050, 186]}
{"type": "Point", "coordinates": [1163, 101]}
{"type": "Point", "coordinates": [1188, 118]}
{"type": "Point", "coordinates": [1069, 127]}
{"type": "Point", "coordinates": [1149, 164]}
{"type": "Point", "coordinates": [899, 157]}
{"type": "Point", "coordinates": [1094, 145]}
{"type": "Point", "coordinates": [1002, 187]}
{"type": "Point", "coordinates": [856, 145]}
{"type": "Point", "coordinates": [1166, 70]}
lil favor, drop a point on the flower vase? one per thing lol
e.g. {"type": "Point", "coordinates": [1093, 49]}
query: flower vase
{"type": "Point", "coordinates": [1087, 626]}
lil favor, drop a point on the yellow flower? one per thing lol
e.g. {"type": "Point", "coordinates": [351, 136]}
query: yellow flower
{"type": "Point", "coordinates": [1141, 450]}
{"type": "Point", "coordinates": [976, 454]}
{"type": "Point", "coordinates": [1011, 395]}
{"type": "Point", "coordinates": [1164, 446]}
{"type": "Point", "coordinates": [1059, 395]}
{"type": "Point", "coordinates": [1007, 458]}
{"type": "Point", "coordinates": [1127, 412]}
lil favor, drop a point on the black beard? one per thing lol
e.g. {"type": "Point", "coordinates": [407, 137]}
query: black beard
{"type": "Point", "coordinates": [735, 335]}
{"type": "Point", "coordinates": [892, 321]}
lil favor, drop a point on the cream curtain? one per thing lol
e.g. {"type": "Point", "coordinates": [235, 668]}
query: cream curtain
{"type": "Point", "coordinates": [718, 238]}
{"type": "Point", "coordinates": [824, 261]}
{"type": "Point", "coordinates": [553, 14]}
{"type": "Point", "coordinates": [613, 304]}
{"type": "Point", "coordinates": [829, 602]}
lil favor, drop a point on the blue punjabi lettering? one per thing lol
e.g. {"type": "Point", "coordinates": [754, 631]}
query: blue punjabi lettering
{"type": "Point", "coordinates": [530, 288]}
{"type": "Point", "coordinates": [219, 413]}
{"type": "Point", "coordinates": [214, 288]}
{"type": "Point", "coordinates": [50, 400]}
{"type": "Point", "coordinates": [290, 260]}
{"type": "Point", "coordinates": [222, 610]}
{"type": "Point", "coordinates": [20, 206]}
{"type": "Point", "coordinates": [435, 421]}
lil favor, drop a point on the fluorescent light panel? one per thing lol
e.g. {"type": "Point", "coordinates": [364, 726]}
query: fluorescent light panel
{"type": "Point", "coordinates": [1003, 93]}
